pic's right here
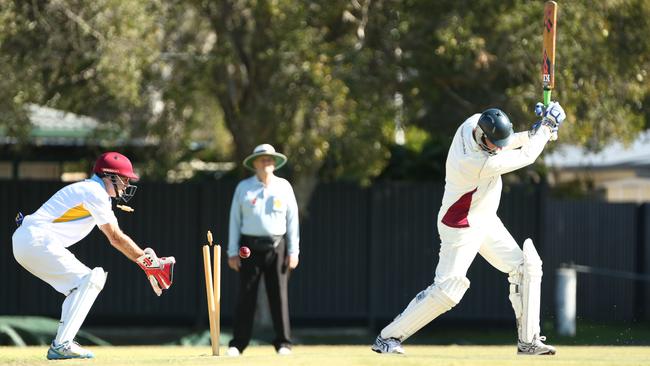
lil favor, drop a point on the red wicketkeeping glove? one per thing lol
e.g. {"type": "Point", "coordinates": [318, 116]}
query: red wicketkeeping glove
{"type": "Point", "coordinates": [159, 271]}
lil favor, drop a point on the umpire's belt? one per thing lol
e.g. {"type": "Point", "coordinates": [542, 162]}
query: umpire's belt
{"type": "Point", "coordinates": [260, 242]}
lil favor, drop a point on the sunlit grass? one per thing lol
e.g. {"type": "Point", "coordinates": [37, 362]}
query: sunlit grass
{"type": "Point", "coordinates": [340, 356]}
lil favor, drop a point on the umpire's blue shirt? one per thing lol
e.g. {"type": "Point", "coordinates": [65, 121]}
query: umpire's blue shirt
{"type": "Point", "coordinates": [259, 210]}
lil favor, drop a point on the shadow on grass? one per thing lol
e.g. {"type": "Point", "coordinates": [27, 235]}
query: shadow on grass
{"type": "Point", "coordinates": [481, 334]}
{"type": "Point", "coordinates": [35, 331]}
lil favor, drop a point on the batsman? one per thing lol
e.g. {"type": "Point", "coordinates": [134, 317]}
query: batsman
{"type": "Point", "coordinates": [484, 147]}
{"type": "Point", "coordinates": [40, 245]}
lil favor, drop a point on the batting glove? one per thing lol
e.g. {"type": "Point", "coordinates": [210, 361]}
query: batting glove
{"type": "Point", "coordinates": [553, 115]}
{"type": "Point", "coordinates": [159, 271]}
{"type": "Point", "coordinates": [539, 109]}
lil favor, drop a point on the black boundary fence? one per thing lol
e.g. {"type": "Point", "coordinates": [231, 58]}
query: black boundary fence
{"type": "Point", "coordinates": [365, 252]}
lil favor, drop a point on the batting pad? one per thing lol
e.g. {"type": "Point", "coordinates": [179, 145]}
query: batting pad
{"type": "Point", "coordinates": [426, 306]}
{"type": "Point", "coordinates": [515, 279]}
{"type": "Point", "coordinates": [77, 305]}
{"type": "Point", "coordinates": [529, 294]}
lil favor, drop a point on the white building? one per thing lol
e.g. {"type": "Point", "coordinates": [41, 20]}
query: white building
{"type": "Point", "coordinates": [620, 173]}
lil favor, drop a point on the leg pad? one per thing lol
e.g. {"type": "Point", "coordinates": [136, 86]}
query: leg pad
{"type": "Point", "coordinates": [426, 306]}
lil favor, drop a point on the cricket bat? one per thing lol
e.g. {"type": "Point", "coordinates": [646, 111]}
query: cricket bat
{"type": "Point", "coordinates": [548, 55]}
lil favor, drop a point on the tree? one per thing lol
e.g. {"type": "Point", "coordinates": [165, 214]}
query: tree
{"type": "Point", "coordinates": [321, 80]}
{"type": "Point", "coordinates": [77, 56]}
{"type": "Point", "coordinates": [462, 57]}
{"type": "Point", "coordinates": [283, 74]}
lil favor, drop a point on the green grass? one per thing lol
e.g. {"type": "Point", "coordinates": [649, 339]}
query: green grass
{"type": "Point", "coordinates": [340, 356]}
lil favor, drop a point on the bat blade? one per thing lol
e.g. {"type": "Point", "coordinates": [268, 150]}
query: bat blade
{"type": "Point", "coordinates": [548, 49]}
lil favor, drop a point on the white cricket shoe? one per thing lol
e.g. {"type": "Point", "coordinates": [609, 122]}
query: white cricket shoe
{"type": "Point", "coordinates": [67, 350]}
{"type": "Point", "coordinates": [284, 351]}
{"type": "Point", "coordinates": [387, 345]}
{"type": "Point", "coordinates": [536, 347]}
{"type": "Point", "coordinates": [233, 352]}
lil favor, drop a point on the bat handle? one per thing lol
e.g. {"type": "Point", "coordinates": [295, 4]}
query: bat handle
{"type": "Point", "coordinates": [547, 97]}
{"type": "Point", "coordinates": [547, 101]}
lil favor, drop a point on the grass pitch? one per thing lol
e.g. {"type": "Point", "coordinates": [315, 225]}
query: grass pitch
{"type": "Point", "coordinates": [339, 356]}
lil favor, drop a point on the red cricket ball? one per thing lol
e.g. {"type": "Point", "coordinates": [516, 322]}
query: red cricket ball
{"type": "Point", "coordinates": [244, 252]}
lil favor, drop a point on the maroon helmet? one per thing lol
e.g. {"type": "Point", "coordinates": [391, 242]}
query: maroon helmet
{"type": "Point", "coordinates": [114, 163]}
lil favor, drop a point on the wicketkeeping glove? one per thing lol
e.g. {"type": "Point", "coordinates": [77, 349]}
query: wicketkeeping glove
{"type": "Point", "coordinates": [159, 271]}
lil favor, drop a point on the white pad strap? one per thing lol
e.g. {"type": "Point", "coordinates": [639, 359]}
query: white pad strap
{"type": "Point", "coordinates": [531, 288]}
{"type": "Point", "coordinates": [515, 279]}
{"type": "Point", "coordinates": [78, 303]}
{"type": "Point", "coordinates": [426, 306]}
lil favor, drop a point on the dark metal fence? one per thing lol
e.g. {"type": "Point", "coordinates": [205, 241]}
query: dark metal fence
{"type": "Point", "coordinates": [365, 252]}
{"type": "Point", "coordinates": [597, 234]}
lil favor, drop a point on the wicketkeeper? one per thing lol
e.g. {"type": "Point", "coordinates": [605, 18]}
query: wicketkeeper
{"type": "Point", "coordinates": [40, 245]}
{"type": "Point", "coordinates": [483, 148]}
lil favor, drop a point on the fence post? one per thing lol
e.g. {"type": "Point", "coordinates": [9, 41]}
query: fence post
{"type": "Point", "coordinates": [565, 301]}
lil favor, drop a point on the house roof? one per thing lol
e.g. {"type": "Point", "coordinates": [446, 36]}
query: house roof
{"type": "Point", "coordinates": [55, 127]}
{"type": "Point", "coordinates": [616, 155]}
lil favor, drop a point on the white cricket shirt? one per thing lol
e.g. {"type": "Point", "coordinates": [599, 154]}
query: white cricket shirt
{"type": "Point", "coordinates": [72, 212]}
{"type": "Point", "coordinates": [473, 177]}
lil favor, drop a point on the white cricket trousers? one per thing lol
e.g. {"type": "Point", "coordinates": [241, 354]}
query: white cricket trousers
{"type": "Point", "coordinates": [47, 259]}
{"type": "Point", "coordinates": [458, 248]}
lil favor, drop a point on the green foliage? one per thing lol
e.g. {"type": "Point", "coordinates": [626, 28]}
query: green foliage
{"type": "Point", "coordinates": [318, 79]}
{"type": "Point", "coordinates": [606, 74]}
{"type": "Point", "coordinates": [465, 56]}
{"type": "Point", "coordinates": [294, 74]}
{"type": "Point", "coordinates": [79, 56]}
{"type": "Point", "coordinates": [413, 162]}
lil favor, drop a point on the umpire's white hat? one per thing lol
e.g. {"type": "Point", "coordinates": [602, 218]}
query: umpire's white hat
{"type": "Point", "coordinates": [265, 149]}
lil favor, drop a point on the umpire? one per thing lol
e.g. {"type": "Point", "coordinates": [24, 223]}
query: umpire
{"type": "Point", "coordinates": [263, 217]}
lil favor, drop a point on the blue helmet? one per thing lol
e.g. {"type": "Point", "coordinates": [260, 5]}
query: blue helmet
{"type": "Point", "coordinates": [496, 126]}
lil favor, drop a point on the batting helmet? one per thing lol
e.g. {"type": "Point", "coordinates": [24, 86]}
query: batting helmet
{"type": "Point", "coordinates": [496, 126]}
{"type": "Point", "coordinates": [115, 163]}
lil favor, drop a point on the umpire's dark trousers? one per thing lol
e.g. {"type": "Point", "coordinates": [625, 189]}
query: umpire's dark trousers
{"type": "Point", "coordinates": [269, 262]}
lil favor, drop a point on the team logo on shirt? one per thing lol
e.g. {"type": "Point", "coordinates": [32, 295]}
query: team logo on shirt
{"type": "Point", "coordinates": [75, 213]}
{"type": "Point", "coordinates": [277, 204]}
